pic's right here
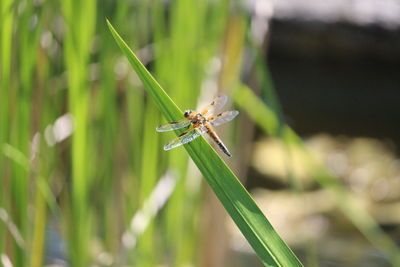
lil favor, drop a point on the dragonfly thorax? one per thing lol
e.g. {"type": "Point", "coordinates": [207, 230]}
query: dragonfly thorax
{"type": "Point", "coordinates": [194, 117]}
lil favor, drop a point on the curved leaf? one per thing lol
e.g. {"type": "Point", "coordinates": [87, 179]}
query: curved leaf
{"type": "Point", "coordinates": [241, 207]}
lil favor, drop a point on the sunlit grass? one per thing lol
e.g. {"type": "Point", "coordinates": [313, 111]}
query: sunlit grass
{"type": "Point", "coordinates": [255, 227]}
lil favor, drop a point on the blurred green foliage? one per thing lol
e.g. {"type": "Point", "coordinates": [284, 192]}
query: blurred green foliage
{"type": "Point", "coordinates": [79, 155]}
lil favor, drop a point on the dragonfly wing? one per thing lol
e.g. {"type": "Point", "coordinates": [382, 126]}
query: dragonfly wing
{"type": "Point", "coordinates": [184, 138]}
{"type": "Point", "coordinates": [215, 106]}
{"type": "Point", "coordinates": [173, 125]}
{"type": "Point", "coordinates": [223, 117]}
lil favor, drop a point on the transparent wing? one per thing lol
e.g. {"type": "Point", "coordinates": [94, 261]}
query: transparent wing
{"type": "Point", "coordinates": [223, 117]}
{"type": "Point", "coordinates": [215, 106]}
{"type": "Point", "coordinates": [173, 125]}
{"type": "Point", "coordinates": [184, 138]}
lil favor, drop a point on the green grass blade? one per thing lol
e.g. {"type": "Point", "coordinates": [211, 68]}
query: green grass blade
{"type": "Point", "coordinates": [80, 19]}
{"type": "Point", "coordinates": [248, 217]}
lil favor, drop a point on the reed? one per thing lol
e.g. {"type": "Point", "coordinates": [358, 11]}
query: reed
{"type": "Point", "coordinates": [248, 217]}
{"type": "Point", "coordinates": [80, 160]}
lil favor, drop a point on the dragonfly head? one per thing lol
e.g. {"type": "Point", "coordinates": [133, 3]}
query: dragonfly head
{"type": "Point", "coordinates": [187, 113]}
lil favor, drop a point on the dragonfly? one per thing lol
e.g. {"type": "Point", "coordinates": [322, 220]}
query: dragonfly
{"type": "Point", "coordinates": [200, 123]}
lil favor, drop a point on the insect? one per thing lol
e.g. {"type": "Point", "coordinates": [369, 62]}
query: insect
{"type": "Point", "coordinates": [199, 123]}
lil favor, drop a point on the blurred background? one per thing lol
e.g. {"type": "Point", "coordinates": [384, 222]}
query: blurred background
{"type": "Point", "coordinates": [84, 180]}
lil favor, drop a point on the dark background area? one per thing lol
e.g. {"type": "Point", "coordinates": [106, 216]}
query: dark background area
{"type": "Point", "coordinates": [339, 77]}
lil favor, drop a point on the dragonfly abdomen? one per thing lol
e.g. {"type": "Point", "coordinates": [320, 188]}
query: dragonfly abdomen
{"type": "Point", "coordinates": [217, 140]}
